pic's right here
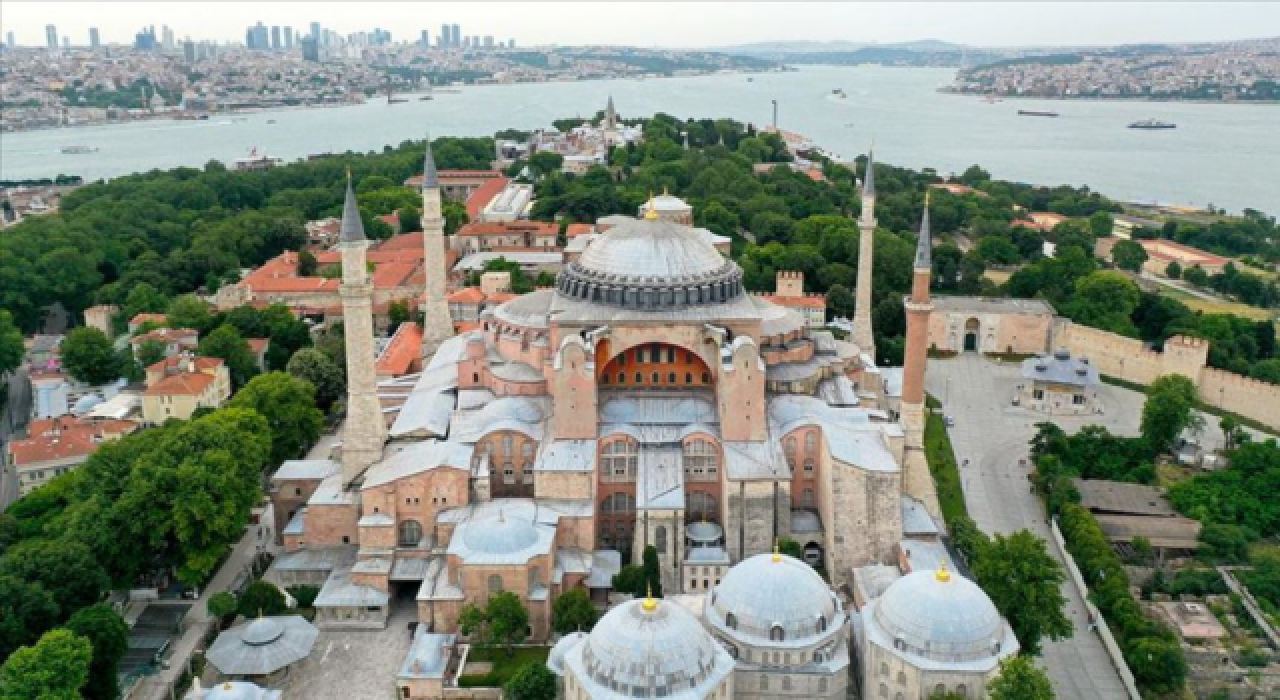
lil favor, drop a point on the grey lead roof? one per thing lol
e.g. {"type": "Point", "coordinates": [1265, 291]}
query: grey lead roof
{"type": "Point", "coordinates": [924, 245]}
{"type": "Point", "coordinates": [430, 178]}
{"type": "Point", "coordinates": [352, 226]}
{"type": "Point", "coordinates": [1061, 368]}
{"type": "Point", "coordinates": [869, 181]}
{"type": "Point", "coordinates": [428, 656]}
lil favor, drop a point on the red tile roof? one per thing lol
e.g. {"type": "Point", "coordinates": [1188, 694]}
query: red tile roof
{"type": "Point", "coordinates": [575, 230]}
{"type": "Point", "coordinates": [813, 301]}
{"type": "Point", "coordinates": [202, 364]}
{"type": "Point", "coordinates": [499, 228]}
{"type": "Point", "coordinates": [147, 318]}
{"type": "Point", "coordinates": [166, 335]}
{"type": "Point", "coordinates": [466, 295]}
{"type": "Point", "coordinates": [416, 180]}
{"type": "Point", "coordinates": [484, 194]}
{"type": "Point", "coordinates": [405, 348]}
{"type": "Point", "coordinates": [185, 384]}
{"type": "Point", "coordinates": [258, 345]}
{"type": "Point", "coordinates": [64, 438]}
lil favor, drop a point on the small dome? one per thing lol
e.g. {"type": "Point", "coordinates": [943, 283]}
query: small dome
{"type": "Point", "coordinates": [704, 532]}
{"type": "Point", "coordinates": [555, 661]}
{"type": "Point", "coordinates": [263, 630]}
{"type": "Point", "coordinates": [666, 202]}
{"type": "Point", "coordinates": [941, 616]}
{"type": "Point", "coordinates": [651, 648]}
{"type": "Point", "coordinates": [500, 535]}
{"type": "Point", "coordinates": [235, 690]}
{"type": "Point", "coordinates": [770, 591]}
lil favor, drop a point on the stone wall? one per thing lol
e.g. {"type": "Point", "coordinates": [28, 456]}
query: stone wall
{"type": "Point", "coordinates": [1129, 359]}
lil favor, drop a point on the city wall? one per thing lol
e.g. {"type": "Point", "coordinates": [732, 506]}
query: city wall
{"type": "Point", "coordinates": [1130, 360]}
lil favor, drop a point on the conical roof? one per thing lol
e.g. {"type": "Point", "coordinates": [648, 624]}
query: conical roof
{"type": "Point", "coordinates": [430, 178]}
{"type": "Point", "coordinates": [352, 226]}
{"type": "Point", "coordinates": [869, 182]}
{"type": "Point", "coordinates": [924, 245]}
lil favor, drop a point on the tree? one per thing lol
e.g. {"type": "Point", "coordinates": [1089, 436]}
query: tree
{"type": "Point", "coordinates": [225, 343]}
{"type": "Point", "coordinates": [533, 681]}
{"type": "Point", "coordinates": [1195, 275]}
{"type": "Point", "coordinates": [652, 572]}
{"type": "Point", "coordinates": [150, 351]}
{"type": "Point", "coordinates": [1101, 224]}
{"type": "Point", "coordinates": [27, 611]}
{"type": "Point", "coordinates": [312, 365]}
{"type": "Point", "coordinates": [307, 264]}
{"type": "Point", "coordinates": [840, 301]}
{"type": "Point", "coordinates": [573, 611]}
{"type": "Point", "coordinates": [56, 668]}
{"type": "Point", "coordinates": [1169, 410]}
{"type": "Point", "coordinates": [188, 311]}
{"type": "Point", "coordinates": [108, 635]}
{"type": "Point", "coordinates": [1267, 370]}
{"type": "Point", "coordinates": [503, 621]}
{"type": "Point", "coordinates": [1106, 300]}
{"type": "Point", "coordinates": [223, 605]}
{"type": "Point", "coordinates": [1129, 255]}
{"type": "Point", "coordinates": [996, 250]}
{"type": "Point", "coordinates": [11, 348]}
{"type": "Point", "coordinates": [1173, 270]}
{"type": "Point", "coordinates": [397, 313]}
{"type": "Point", "coordinates": [289, 405]}
{"type": "Point", "coordinates": [261, 598]}
{"type": "Point", "coordinates": [89, 357]}
{"type": "Point", "coordinates": [1019, 679]}
{"type": "Point", "coordinates": [69, 571]}
{"type": "Point", "coordinates": [1025, 583]}
{"type": "Point", "coordinates": [545, 162]}
{"type": "Point", "coordinates": [143, 298]}
{"type": "Point", "coordinates": [1232, 431]}
{"type": "Point", "coordinates": [631, 579]}
{"type": "Point", "coordinates": [791, 548]}
{"type": "Point", "coordinates": [304, 596]}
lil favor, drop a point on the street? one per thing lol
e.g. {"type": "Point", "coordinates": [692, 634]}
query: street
{"type": "Point", "coordinates": [993, 435]}
{"type": "Point", "coordinates": [13, 418]}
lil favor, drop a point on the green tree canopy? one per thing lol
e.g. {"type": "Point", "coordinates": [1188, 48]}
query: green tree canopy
{"type": "Point", "coordinates": [1173, 270]}
{"type": "Point", "coordinates": [11, 348]}
{"type": "Point", "coordinates": [1169, 410]}
{"type": "Point", "coordinates": [503, 621]}
{"type": "Point", "coordinates": [150, 351]}
{"type": "Point", "coordinates": [226, 343]}
{"type": "Point", "coordinates": [188, 311]}
{"type": "Point", "coordinates": [1129, 255]}
{"type": "Point", "coordinates": [109, 637]}
{"type": "Point", "coordinates": [1025, 583]}
{"type": "Point", "coordinates": [312, 365]}
{"type": "Point", "coordinates": [533, 681]}
{"type": "Point", "coordinates": [1019, 679]}
{"type": "Point", "coordinates": [27, 611]}
{"type": "Point", "coordinates": [56, 668]}
{"type": "Point", "coordinates": [289, 405]}
{"type": "Point", "coordinates": [69, 571]}
{"type": "Point", "coordinates": [573, 611]}
{"type": "Point", "coordinates": [261, 598]}
{"type": "Point", "coordinates": [88, 355]}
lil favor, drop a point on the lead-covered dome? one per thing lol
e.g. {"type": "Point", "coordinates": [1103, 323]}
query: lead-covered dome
{"type": "Point", "coordinates": [942, 617]}
{"type": "Point", "coordinates": [651, 264]}
{"type": "Point", "coordinates": [500, 535]}
{"type": "Point", "coordinates": [646, 649]}
{"type": "Point", "coordinates": [773, 597]}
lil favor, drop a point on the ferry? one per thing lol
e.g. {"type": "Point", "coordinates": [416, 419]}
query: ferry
{"type": "Point", "coordinates": [1152, 124]}
{"type": "Point", "coordinates": [78, 150]}
{"type": "Point", "coordinates": [256, 161]}
{"type": "Point", "coordinates": [839, 92]}
{"type": "Point", "coordinates": [1035, 113]}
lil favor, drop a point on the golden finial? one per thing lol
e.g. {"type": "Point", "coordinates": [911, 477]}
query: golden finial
{"type": "Point", "coordinates": [942, 575]}
{"type": "Point", "coordinates": [651, 213]}
{"type": "Point", "coordinates": [927, 193]}
{"type": "Point", "coordinates": [777, 551]}
{"type": "Point", "coordinates": [649, 604]}
{"type": "Point", "coordinates": [664, 191]}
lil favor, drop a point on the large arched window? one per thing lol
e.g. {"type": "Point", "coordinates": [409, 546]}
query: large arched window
{"type": "Point", "coordinates": [701, 506]}
{"type": "Point", "coordinates": [810, 442]}
{"type": "Point", "coordinates": [410, 533]}
{"type": "Point", "coordinates": [776, 634]}
{"type": "Point", "coordinates": [506, 445]}
{"type": "Point", "coordinates": [495, 584]}
{"type": "Point", "coordinates": [789, 447]}
{"type": "Point", "coordinates": [701, 460]}
{"type": "Point", "coordinates": [526, 451]}
{"type": "Point", "coordinates": [619, 460]}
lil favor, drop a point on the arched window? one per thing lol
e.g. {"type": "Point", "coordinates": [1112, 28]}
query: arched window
{"type": "Point", "coordinates": [526, 450]}
{"type": "Point", "coordinates": [410, 533]}
{"type": "Point", "coordinates": [902, 678]}
{"type": "Point", "coordinates": [789, 446]}
{"type": "Point", "coordinates": [688, 377]}
{"type": "Point", "coordinates": [508, 473]}
{"type": "Point", "coordinates": [701, 460]}
{"type": "Point", "coordinates": [808, 467]}
{"type": "Point", "coordinates": [940, 689]}
{"type": "Point", "coordinates": [617, 503]}
{"type": "Point", "coordinates": [731, 621]}
{"type": "Point", "coordinates": [701, 506]}
{"type": "Point", "coordinates": [884, 691]}
{"type": "Point", "coordinates": [660, 539]}
{"type": "Point", "coordinates": [962, 690]}
{"type": "Point", "coordinates": [495, 584]}
{"type": "Point", "coordinates": [806, 500]}
{"type": "Point", "coordinates": [810, 442]}
{"type": "Point", "coordinates": [764, 681]}
{"type": "Point", "coordinates": [619, 460]}
{"type": "Point", "coordinates": [822, 623]}
{"type": "Point", "coordinates": [506, 445]}
{"type": "Point", "coordinates": [884, 668]}
{"type": "Point", "coordinates": [776, 634]}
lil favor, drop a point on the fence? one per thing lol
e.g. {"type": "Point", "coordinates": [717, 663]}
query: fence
{"type": "Point", "coordinates": [1108, 640]}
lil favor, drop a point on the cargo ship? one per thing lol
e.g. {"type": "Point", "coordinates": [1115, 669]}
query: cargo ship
{"type": "Point", "coordinates": [1035, 113]}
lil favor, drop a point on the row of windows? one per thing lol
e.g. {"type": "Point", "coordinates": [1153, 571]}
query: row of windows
{"type": "Point", "coordinates": [654, 378]}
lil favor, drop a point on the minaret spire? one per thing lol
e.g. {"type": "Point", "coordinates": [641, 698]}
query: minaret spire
{"type": "Point", "coordinates": [437, 324]}
{"type": "Point", "coordinates": [365, 430]}
{"type": "Point", "coordinates": [863, 335]}
{"type": "Point", "coordinates": [917, 481]}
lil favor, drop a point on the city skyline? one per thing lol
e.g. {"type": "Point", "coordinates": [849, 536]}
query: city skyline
{"type": "Point", "coordinates": [976, 24]}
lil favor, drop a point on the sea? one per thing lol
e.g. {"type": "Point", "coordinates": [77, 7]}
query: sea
{"type": "Point", "coordinates": [1224, 155]}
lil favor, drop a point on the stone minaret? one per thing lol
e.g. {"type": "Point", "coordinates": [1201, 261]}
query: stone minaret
{"type": "Point", "coordinates": [917, 482]}
{"type": "Point", "coordinates": [610, 116]}
{"type": "Point", "coordinates": [862, 334]}
{"type": "Point", "coordinates": [365, 430]}
{"type": "Point", "coordinates": [437, 325]}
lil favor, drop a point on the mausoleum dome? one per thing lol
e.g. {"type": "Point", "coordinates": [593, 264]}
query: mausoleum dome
{"type": "Point", "coordinates": [773, 597]}
{"type": "Point", "coordinates": [940, 616]}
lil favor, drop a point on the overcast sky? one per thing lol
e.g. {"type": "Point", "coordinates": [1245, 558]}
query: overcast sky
{"type": "Point", "coordinates": [659, 24]}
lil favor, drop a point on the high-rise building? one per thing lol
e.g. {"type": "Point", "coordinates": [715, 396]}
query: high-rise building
{"type": "Point", "coordinates": [94, 40]}
{"type": "Point", "coordinates": [445, 36]}
{"type": "Point", "coordinates": [456, 39]}
{"type": "Point", "coordinates": [511, 43]}
{"type": "Point", "coordinates": [425, 40]}
{"type": "Point", "coordinates": [51, 36]}
{"type": "Point", "coordinates": [316, 33]}
{"type": "Point", "coordinates": [66, 42]}
{"type": "Point", "coordinates": [145, 40]}
{"type": "Point", "coordinates": [488, 41]}
{"type": "Point", "coordinates": [288, 38]}
{"type": "Point", "coordinates": [166, 37]}
{"type": "Point", "coordinates": [8, 40]}
{"type": "Point", "coordinates": [275, 38]}
{"type": "Point", "coordinates": [257, 38]}
{"type": "Point", "coordinates": [310, 49]}
{"type": "Point", "coordinates": [189, 51]}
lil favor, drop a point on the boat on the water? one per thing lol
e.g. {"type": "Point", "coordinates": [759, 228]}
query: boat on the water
{"type": "Point", "coordinates": [256, 161]}
{"type": "Point", "coordinates": [1152, 124]}
{"type": "Point", "coordinates": [1035, 113]}
{"type": "Point", "coordinates": [839, 92]}
{"type": "Point", "coordinates": [78, 150]}
{"type": "Point", "coordinates": [424, 98]}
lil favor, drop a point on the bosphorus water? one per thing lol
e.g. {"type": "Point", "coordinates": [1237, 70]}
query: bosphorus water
{"type": "Point", "coordinates": [1224, 154]}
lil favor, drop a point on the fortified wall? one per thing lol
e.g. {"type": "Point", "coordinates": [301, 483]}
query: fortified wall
{"type": "Point", "coordinates": [1130, 360]}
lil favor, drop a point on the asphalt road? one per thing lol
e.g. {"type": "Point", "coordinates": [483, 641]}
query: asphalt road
{"type": "Point", "coordinates": [993, 435]}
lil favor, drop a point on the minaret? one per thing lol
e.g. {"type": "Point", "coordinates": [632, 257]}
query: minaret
{"type": "Point", "coordinates": [610, 116]}
{"type": "Point", "coordinates": [917, 482]}
{"type": "Point", "coordinates": [437, 325]}
{"type": "Point", "coordinates": [365, 430]}
{"type": "Point", "coordinates": [862, 333]}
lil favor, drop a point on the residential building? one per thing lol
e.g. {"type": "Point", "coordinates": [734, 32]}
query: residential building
{"type": "Point", "coordinates": [178, 385]}
{"type": "Point", "coordinates": [55, 446]}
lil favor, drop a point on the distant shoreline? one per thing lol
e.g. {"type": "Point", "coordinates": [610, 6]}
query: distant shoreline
{"type": "Point", "coordinates": [1091, 98]}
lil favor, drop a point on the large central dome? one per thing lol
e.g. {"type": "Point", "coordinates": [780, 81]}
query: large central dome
{"type": "Point", "coordinates": [651, 265]}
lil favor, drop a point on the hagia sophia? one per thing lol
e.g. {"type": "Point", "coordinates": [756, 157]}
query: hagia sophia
{"type": "Point", "coordinates": [647, 400]}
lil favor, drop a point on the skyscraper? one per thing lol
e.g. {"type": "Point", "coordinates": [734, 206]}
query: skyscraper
{"type": "Point", "coordinates": [94, 40]}
{"type": "Point", "coordinates": [288, 38]}
{"type": "Point", "coordinates": [488, 41]}
{"type": "Point", "coordinates": [51, 36]}
{"type": "Point", "coordinates": [8, 40]}
{"type": "Point", "coordinates": [315, 33]}
{"type": "Point", "coordinates": [275, 38]}
{"type": "Point", "coordinates": [425, 40]}
{"type": "Point", "coordinates": [443, 41]}
{"type": "Point", "coordinates": [310, 49]}
{"type": "Point", "coordinates": [145, 40]}
{"type": "Point", "coordinates": [257, 38]}
{"type": "Point", "coordinates": [166, 37]}
{"type": "Point", "coordinates": [189, 51]}
{"type": "Point", "coordinates": [456, 39]}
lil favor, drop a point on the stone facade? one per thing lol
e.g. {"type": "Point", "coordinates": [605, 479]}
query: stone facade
{"type": "Point", "coordinates": [976, 324]}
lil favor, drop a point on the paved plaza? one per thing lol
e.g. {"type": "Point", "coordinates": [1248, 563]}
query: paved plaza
{"type": "Point", "coordinates": [349, 664]}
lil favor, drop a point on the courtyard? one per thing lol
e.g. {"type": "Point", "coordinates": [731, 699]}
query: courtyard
{"type": "Point", "coordinates": [348, 664]}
